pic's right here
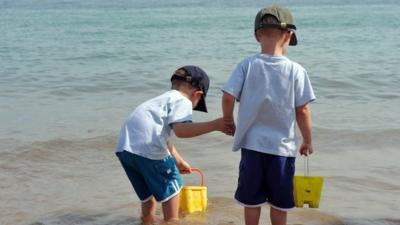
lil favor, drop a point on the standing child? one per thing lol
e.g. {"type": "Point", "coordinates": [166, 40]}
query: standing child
{"type": "Point", "coordinates": [149, 159]}
{"type": "Point", "coordinates": [274, 93]}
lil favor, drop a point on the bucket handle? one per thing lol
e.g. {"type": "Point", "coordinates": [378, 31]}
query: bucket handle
{"type": "Point", "coordinates": [306, 167]}
{"type": "Point", "coordinates": [197, 170]}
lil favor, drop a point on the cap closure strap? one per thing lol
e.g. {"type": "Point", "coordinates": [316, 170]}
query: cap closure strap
{"type": "Point", "coordinates": [185, 78]}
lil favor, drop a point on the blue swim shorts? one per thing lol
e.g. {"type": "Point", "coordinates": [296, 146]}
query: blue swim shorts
{"type": "Point", "coordinates": [158, 178]}
{"type": "Point", "coordinates": [265, 178]}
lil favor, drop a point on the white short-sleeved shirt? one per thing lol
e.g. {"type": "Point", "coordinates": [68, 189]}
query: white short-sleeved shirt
{"type": "Point", "coordinates": [269, 88]}
{"type": "Point", "coordinates": [148, 127]}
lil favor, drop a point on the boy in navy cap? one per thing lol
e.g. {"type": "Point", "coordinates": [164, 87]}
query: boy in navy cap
{"type": "Point", "coordinates": [149, 159]}
{"type": "Point", "coordinates": [274, 93]}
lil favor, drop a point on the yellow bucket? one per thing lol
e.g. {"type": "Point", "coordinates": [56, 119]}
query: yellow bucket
{"type": "Point", "coordinates": [193, 198]}
{"type": "Point", "coordinates": [307, 189]}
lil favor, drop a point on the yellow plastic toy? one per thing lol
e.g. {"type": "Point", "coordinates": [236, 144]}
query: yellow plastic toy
{"type": "Point", "coordinates": [307, 189]}
{"type": "Point", "coordinates": [193, 198]}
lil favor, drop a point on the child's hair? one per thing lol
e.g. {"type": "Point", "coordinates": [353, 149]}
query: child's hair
{"type": "Point", "coordinates": [176, 84]}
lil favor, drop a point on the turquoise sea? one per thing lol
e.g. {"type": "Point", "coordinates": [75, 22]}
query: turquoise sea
{"type": "Point", "coordinates": [71, 71]}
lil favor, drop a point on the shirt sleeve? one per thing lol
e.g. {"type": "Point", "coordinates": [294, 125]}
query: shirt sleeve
{"type": "Point", "coordinates": [234, 85]}
{"type": "Point", "coordinates": [180, 111]}
{"type": "Point", "coordinates": [304, 92]}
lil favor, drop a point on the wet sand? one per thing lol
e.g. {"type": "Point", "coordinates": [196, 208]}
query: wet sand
{"type": "Point", "coordinates": [221, 211]}
{"type": "Point", "coordinates": [80, 182]}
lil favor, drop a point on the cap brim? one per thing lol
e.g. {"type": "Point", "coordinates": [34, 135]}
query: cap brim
{"type": "Point", "coordinates": [293, 39]}
{"type": "Point", "coordinates": [201, 106]}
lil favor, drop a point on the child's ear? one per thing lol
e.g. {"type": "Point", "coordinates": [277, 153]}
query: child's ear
{"type": "Point", "coordinates": [256, 36]}
{"type": "Point", "coordinates": [198, 92]}
{"type": "Point", "coordinates": [195, 93]}
{"type": "Point", "coordinates": [288, 36]}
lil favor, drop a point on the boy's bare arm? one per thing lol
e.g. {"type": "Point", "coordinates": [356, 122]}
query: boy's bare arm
{"type": "Point", "coordinates": [182, 165]}
{"type": "Point", "coordinates": [228, 104]}
{"type": "Point", "coordinates": [188, 130]}
{"type": "Point", "coordinates": [303, 117]}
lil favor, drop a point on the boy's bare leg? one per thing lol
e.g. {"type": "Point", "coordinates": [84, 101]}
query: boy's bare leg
{"type": "Point", "coordinates": [252, 215]}
{"type": "Point", "coordinates": [171, 209]}
{"type": "Point", "coordinates": [149, 211]}
{"type": "Point", "coordinates": [278, 217]}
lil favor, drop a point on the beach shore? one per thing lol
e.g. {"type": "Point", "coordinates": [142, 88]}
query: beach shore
{"type": "Point", "coordinates": [221, 211]}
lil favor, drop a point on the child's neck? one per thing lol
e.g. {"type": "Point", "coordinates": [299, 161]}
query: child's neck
{"type": "Point", "coordinates": [272, 47]}
{"type": "Point", "coordinates": [273, 50]}
{"type": "Point", "coordinates": [185, 91]}
{"type": "Point", "coordinates": [188, 93]}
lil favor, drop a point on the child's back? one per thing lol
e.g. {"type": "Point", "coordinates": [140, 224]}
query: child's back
{"type": "Point", "coordinates": [147, 128]}
{"type": "Point", "coordinates": [274, 93]}
{"type": "Point", "coordinates": [268, 92]}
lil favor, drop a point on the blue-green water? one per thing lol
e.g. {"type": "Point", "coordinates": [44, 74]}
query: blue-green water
{"type": "Point", "coordinates": [71, 71]}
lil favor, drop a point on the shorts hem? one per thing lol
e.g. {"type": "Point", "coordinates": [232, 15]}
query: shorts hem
{"type": "Point", "coordinates": [264, 203]}
{"type": "Point", "coordinates": [171, 196]}
{"type": "Point", "coordinates": [250, 206]}
{"type": "Point", "coordinates": [279, 208]}
{"type": "Point", "coordinates": [147, 199]}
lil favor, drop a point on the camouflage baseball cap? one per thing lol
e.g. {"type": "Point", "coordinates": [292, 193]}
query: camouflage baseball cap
{"type": "Point", "coordinates": [284, 20]}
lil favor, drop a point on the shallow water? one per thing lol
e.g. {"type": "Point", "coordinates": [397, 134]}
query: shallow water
{"type": "Point", "coordinates": [71, 71]}
{"type": "Point", "coordinates": [221, 211]}
{"type": "Point", "coordinates": [81, 181]}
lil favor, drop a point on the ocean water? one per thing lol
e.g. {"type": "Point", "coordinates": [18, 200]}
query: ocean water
{"type": "Point", "coordinates": [71, 71]}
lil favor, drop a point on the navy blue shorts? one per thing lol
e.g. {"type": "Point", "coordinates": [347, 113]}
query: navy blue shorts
{"type": "Point", "coordinates": [265, 178]}
{"type": "Point", "coordinates": [158, 178]}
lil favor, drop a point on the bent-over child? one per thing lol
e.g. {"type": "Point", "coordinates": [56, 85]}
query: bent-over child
{"type": "Point", "coordinates": [150, 160]}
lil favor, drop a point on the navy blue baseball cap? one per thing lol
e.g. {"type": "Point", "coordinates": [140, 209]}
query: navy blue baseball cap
{"type": "Point", "coordinates": [197, 78]}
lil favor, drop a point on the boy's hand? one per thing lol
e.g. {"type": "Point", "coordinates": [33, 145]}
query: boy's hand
{"type": "Point", "coordinates": [229, 126]}
{"type": "Point", "coordinates": [306, 149]}
{"type": "Point", "coordinates": [219, 124]}
{"type": "Point", "coordinates": [183, 167]}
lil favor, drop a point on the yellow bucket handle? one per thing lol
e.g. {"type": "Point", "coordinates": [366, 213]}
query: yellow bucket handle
{"type": "Point", "coordinates": [197, 170]}
{"type": "Point", "coordinates": [306, 167]}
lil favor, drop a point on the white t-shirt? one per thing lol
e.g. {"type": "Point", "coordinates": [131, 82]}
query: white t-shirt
{"type": "Point", "coordinates": [269, 88]}
{"type": "Point", "coordinates": [148, 127]}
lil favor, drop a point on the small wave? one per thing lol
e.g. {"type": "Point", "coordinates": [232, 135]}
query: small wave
{"type": "Point", "coordinates": [360, 139]}
{"type": "Point", "coordinates": [221, 211]}
{"type": "Point", "coordinates": [385, 221]}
